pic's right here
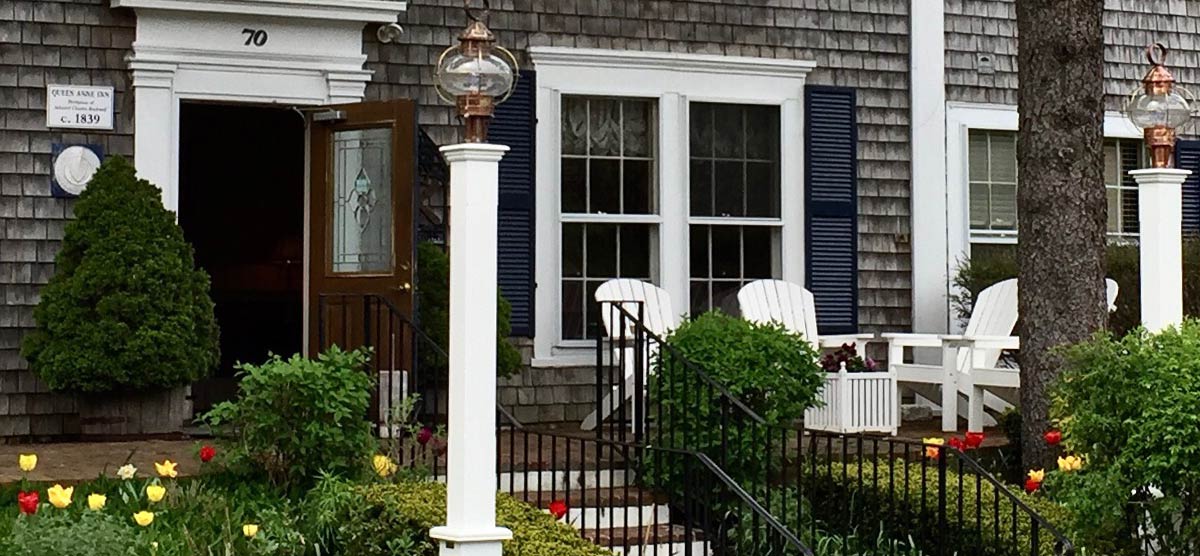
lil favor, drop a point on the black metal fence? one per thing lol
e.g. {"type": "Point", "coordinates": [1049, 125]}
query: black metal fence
{"type": "Point", "coordinates": [928, 499]}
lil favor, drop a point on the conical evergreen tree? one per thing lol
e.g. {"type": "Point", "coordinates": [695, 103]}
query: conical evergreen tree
{"type": "Point", "coordinates": [127, 309]}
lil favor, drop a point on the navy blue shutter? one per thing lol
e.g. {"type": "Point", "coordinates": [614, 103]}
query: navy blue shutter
{"type": "Point", "coordinates": [1187, 157]}
{"type": "Point", "coordinates": [514, 125]}
{"type": "Point", "coordinates": [831, 214]}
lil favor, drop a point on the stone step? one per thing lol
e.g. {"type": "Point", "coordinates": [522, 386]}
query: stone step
{"type": "Point", "coordinates": [618, 517]}
{"type": "Point", "coordinates": [696, 548]}
{"type": "Point", "coordinates": [602, 497]}
{"type": "Point", "coordinates": [546, 481]}
{"type": "Point", "coordinates": [633, 537]}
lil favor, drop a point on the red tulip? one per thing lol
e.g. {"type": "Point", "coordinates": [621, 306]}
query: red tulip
{"type": "Point", "coordinates": [1053, 437]}
{"type": "Point", "coordinates": [1031, 485]}
{"type": "Point", "coordinates": [28, 502]}
{"type": "Point", "coordinates": [957, 444]}
{"type": "Point", "coordinates": [207, 453]}
{"type": "Point", "coordinates": [424, 436]}
{"type": "Point", "coordinates": [974, 440]}
{"type": "Point", "coordinates": [558, 509]}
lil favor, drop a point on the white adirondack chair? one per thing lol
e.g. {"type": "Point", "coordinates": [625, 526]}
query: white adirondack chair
{"type": "Point", "coordinates": [792, 306]}
{"type": "Point", "coordinates": [658, 317]}
{"type": "Point", "coordinates": [969, 360]}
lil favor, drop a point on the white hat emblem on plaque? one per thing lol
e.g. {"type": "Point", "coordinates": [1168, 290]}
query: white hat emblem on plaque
{"type": "Point", "coordinates": [74, 167]}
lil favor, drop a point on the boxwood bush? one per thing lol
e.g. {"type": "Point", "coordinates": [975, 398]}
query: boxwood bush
{"type": "Point", "coordinates": [773, 371]}
{"type": "Point", "coordinates": [873, 492]}
{"type": "Point", "coordinates": [127, 308]}
{"type": "Point", "coordinates": [385, 519]}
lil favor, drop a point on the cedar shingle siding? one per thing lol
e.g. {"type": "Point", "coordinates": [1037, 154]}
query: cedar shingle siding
{"type": "Point", "coordinates": [989, 27]}
{"type": "Point", "coordinates": [45, 41]}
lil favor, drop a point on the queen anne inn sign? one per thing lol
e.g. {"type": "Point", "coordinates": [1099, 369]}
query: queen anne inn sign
{"type": "Point", "coordinates": [857, 148]}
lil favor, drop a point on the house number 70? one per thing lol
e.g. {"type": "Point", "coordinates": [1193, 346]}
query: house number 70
{"type": "Point", "coordinates": [256, 37]}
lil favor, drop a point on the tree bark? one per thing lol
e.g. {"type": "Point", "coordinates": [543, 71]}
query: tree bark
{"type": "Point", "coordinates": [1061, 199]}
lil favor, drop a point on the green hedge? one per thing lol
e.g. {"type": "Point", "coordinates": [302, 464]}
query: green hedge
{"type": "Point", "coordinates": [854, 495]}
{"type": "Point", "coordinates": [387, 519]}
{"type": "Point", "coordinates": [992, 263]}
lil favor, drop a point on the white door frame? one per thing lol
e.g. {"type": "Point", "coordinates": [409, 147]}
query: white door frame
{"type": "Point", "coordinates": [281, 52]}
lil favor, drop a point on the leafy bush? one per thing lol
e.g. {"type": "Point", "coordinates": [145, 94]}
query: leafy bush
{"type": "Point", "coordinates": [1128, 406]}
{"type": "Point", "coordinates": [127, 309]}
{"type": "Point", "coordinates": [772, 370]}
{"type": "Point", "coordinates": [433, 313]}
{"type": "Point", "coordinates": [991, 264]}
{"type": "Point", "coordinates": [294, 418]}
{"type": "Point", "coordinates": [59, 533]}
{"type": "Point", "coordinates": [386, 519]}
{"type": "Point", "coordinates": [904, 497]}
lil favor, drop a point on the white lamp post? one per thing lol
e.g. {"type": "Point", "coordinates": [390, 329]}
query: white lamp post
{"type": "Point", "coordinates": [473, 76]}
{"type": "Point", "coordinates": [1159, 109]}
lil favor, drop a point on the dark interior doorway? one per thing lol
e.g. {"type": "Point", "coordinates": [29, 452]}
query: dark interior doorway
{"type": "Point", "coordinates": [241, 205]}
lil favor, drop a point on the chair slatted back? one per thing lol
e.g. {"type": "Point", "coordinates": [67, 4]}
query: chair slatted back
{"type": "Point", "coordinates": [766, 301]}
{"type": "Point", "coordinates": [658, 314]}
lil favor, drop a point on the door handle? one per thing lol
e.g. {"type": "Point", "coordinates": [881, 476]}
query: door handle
{"type": "Point", "coordinates": [405, 287]}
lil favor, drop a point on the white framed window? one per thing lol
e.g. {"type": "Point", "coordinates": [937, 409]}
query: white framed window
{"type": "Point", "coordinates": [627, 188]}
{"type": "Point", "coordinates": [992, 185]}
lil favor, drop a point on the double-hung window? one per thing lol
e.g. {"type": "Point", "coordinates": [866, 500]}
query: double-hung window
{"type": "Point", "coordinates": [734, 218]}
{"type": "Point", "coordinates": [608, 201]}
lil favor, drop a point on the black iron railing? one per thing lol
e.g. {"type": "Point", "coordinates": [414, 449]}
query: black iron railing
{"type": "Point", "coordinates": [937, 499]}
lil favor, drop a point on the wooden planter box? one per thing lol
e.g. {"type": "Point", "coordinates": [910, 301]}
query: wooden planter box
{"type": "Point", "coordinates": [120, 414]}
{"type": "Point", "coordinates": [856, 402]}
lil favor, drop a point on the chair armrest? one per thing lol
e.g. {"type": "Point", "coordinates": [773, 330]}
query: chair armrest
{"type": "Point", "coordinates": [911, 340]}
{"type": "Point", "coordinates": [984, 342]}
{"type": "Point", "coordinates": [836, 341]}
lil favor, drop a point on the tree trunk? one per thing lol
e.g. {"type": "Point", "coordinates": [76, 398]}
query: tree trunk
{"type": "Point", "coordinates": [1061, 200]}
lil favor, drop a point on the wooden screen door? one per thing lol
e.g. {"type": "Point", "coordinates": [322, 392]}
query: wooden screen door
{"type": "Point", "coordinates": [360, 220]}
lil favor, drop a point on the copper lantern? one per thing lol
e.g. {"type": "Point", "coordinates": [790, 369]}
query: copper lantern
{"type": "Point", "coordinates": [476, 75]}
{"type": "Point", "coordinates": [1159, 107]}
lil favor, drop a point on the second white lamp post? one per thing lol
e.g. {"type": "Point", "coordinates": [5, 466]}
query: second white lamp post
{"type": "Point", "coordinates": [473, 77]}
{"type": "Point", "coordinates": [1158, 108]}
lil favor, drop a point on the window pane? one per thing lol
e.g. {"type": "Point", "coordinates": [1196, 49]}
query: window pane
{"type": "Point", "coordinates": [361, 210]}
{"type": "Point", "coordinates": [1114, 210]}
{"type": "Point", "coordinates": [574, 185]}
{"type": "Point", "coordinates": [635, 252]}
{"type": "Point", "coordinates": [574, 125]}
{"type": "Point", "coordinates": [1003, 161]}
{"type": "Point", "coordinates": [698, 254]}
{"type": "Point", "coordinates": [979, 206]}
{"type": "Point", "coordinates": [572, 308]}
{"type": "Point", "coordinates": [637, 182]}
{"type": "Point", "coordinates": [604, 125]}
{"type": "Point", "coordinates": [701, 195]}
{"type": "Point", "coordinates": [757, 259]}
{"type": "Point", "coordinates": [1112, 165]}
{"type": "Point", "coordinates": [572, 250]}
{"type": "Point", "coordinates": [726, 251]}
{"type": "Point", "coordinates": [604, 193]}
{"type": "Point", "coordinates": [699, 297]}
{"type": "Point", "coordinates": [977, 157]}
{"type": "Point", "coordinates": [637, 132]}
{"type": "Point", "coordinates": [744, 160]}
{"type": "Point", "coordinates": [1004, 206]}
{"type": "Point", "coordinates": [601, 250]}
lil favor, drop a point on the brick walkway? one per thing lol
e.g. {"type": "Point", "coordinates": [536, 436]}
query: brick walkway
{"type": "Point", "coordinates": [81, 461]}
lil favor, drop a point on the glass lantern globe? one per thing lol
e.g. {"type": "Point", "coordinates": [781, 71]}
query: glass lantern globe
{"type": "Point", "coordinates": [482, 73]}
{"type": "Point", "coordinates": [1169, 110]}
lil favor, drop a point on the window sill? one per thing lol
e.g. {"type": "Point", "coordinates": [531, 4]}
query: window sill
{"type": "Point", "coordinates": [566, 356]}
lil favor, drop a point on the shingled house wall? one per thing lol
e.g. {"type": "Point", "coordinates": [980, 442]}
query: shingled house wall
{"type": "Point", "coordinates": [856, 44]}
{"type": "Point", "coordinates": [60, 42]}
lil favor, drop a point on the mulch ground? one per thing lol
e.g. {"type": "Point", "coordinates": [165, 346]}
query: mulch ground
{"type": "Point", "coordinates": [70, 462]}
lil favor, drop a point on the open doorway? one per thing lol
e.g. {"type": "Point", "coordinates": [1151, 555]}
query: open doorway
{"type": "Point", "coordinates": [241, 205]}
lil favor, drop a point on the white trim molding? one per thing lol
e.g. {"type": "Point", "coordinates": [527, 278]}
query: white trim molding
{"type": "Point", "coordinates": [309, 52]}
{"type": "Point", "coordinates": [366, 11]}
{"type": "Point", "coordinates": [961, 118]}
{"type": "Point", "coordinates": [927, 81]}
{"type": "Point", "coordinates": [672, 80]}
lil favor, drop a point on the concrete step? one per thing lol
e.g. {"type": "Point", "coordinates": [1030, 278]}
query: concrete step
{"type": "Point", "coordinates": [696, 548]}
{"type": "Point", "coordinates": [633, 537]}
{"type": "Point", "coordinates": [602, 498]}
{"type": "Point", "coordinates": [621, 516]}
{"type": "Point", "coordinates": [545, 481]}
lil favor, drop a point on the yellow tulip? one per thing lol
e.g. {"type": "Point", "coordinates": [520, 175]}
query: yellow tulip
{"type": "Point", "coordinates": [59, 496]}
{"type": "Point", "coordinates": [27, 462]}
{"type": "Point", "coordinates": [155, 493]}
{"type": "Point", "coordinates": [1037, 475]}
{"type": "Point", "coordinates": [250, 530]}
{"type": "Point", "coordinates": [96, 501]}
{"type": "Point", "coordinates": [1070, 463]}
{"type": "Point", "coordinates": [166, 469]}
{"type": "Point", "coordinates": [144, 518]}
{"type": "Point", "coordinates": [384, 466]}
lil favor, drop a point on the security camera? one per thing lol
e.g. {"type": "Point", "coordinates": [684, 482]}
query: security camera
{"type": "Point", "coordinates": [389, 33]}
